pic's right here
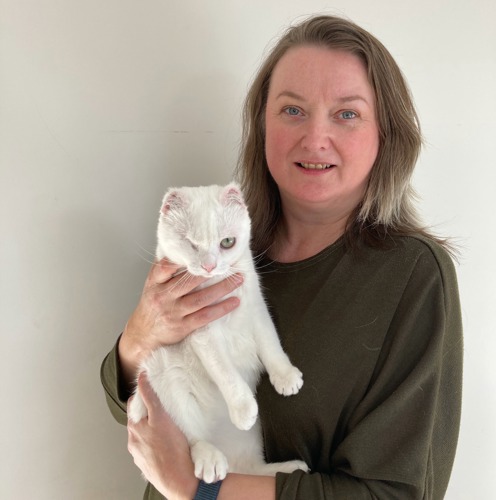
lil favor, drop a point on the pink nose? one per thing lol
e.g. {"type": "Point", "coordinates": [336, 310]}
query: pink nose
{"type": "Point", "coordinates": [209, 267]}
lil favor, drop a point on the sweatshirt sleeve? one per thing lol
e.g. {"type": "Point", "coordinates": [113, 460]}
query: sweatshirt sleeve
{"type": "Point", "coordinates": [110, 377]}
{"type": "Point", "coordinates": [401, 439]}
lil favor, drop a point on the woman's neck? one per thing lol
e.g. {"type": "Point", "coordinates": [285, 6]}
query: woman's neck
{"type": "Point", "coordinates": [300, 238]}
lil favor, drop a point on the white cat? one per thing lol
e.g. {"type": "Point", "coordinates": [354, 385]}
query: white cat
{"type": "Point", "coordinates": [207, 381]}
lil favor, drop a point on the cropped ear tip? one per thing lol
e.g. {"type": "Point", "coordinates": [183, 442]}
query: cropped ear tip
{"type": "Point", "coordinates": [171, 199]}
{"type": "Point", "coordinates": [234, 186]}
{"type": "Point", "coordinates": [233, 193]}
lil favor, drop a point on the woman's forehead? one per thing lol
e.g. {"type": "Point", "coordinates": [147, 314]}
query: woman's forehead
{"type": "Point", "coordinates": [304, 71]}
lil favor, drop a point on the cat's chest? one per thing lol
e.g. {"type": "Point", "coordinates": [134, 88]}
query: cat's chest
{"type": "Point", "coordinates": [237, 334]}
{"type": "Point", "coordinates": [239, 342]}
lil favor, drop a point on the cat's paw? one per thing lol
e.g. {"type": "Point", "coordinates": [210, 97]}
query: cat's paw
{"type": "Point", "coordinates": [210, 463]}
{"type": "Point", "coordinates": [244, 413]}
{"type": "Point", "coordinates": [271, 469]}
{"type": "Point", "coordinates": [293, 465]}
{"type": "Point", "coordinates": [136, 409]}
{"type": "Point", "coordinates": [288, 381]}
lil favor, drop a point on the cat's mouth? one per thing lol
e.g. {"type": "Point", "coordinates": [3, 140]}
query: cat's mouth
{"type": "Point", "coordinates": [315, 166]}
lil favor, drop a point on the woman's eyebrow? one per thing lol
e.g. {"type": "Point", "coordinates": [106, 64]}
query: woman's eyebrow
{"type": "Point", "coordinates": [340, 100]}
{"type": "Point", "coordinates": [350, 98]}
{"type": "Point", "coordinates": [288, 93]}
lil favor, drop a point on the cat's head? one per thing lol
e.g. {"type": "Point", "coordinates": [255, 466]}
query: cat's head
{"type": "Point", "coordinates": [204, 229]}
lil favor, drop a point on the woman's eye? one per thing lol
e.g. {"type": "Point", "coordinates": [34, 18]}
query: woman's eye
{"type": "Point", "coordinates": [292, 111]}
{"type": "Point", "coordinates": [348, 115]}
{"type": "Point", "coordinates": [227, 243]}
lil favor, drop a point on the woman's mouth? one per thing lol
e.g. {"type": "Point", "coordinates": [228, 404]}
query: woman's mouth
{"type": "Point", "coordinates": [315, 166]}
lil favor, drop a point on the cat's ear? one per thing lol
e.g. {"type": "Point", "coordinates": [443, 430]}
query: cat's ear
{"type": "Point", "coordinates": [232, 194]}
{"type": "Point", "coordinates": [173, 199]}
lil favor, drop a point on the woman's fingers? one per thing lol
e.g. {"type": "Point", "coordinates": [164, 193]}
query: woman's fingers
{"type": "Point", "coordinates": [150, 398]}
{"type": "Point", "coordinates": [196, 300]}
{"type": "Point", "coordinates": [165, 271]}
{"type": "Point", "coordinates": [162, 271]}
{"type": "Point", "coordinates": [204, 306]}
{"type": "Point", "coordinates": [208, 314]}
{"type": "Point", "coordinates": [165, 276]}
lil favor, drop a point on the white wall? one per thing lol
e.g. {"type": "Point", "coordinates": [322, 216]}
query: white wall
{"type": "Point", "coordinates": [105, 103]}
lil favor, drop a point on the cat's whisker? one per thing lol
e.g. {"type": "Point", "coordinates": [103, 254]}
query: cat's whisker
{"type": "Point", "coordinates": [231, 279]}
{"type": "Point", "coordinates": [151, 262]}
{"type": "Point", "coordinates": [152, 254]}
{"type": "Point", "coordinates": [260, 271]}
{"type": "Point", "coordinates": [182, 281]}
{"type": "Point", "coordinates": [149, 257]}
{"type": "Point", "coordinates": [260, 256]}
{"type": "Point", "coordinates": [263, 269]}
{"type": "Point", "coordinates": [241, 270]}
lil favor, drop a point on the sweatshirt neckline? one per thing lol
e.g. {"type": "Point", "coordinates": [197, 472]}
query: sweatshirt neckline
{"type": "Point", "coordinates": [308, 262]}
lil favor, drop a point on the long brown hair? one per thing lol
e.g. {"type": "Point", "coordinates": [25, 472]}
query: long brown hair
{"type": "Point", "coordinates": [387, 207]}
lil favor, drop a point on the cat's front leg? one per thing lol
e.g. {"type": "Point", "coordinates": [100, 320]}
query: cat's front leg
{"type": "Point", "coordinates": [210, 463]}
{"type": "Point", "coordinates": [273, 468]}
{"type": "Point", "coordinates": [286, 378]}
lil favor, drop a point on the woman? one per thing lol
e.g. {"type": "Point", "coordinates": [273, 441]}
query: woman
{"type": "Point", "coordinates": [364, 299]}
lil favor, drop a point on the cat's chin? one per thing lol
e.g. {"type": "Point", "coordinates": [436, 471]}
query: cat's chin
{"type": "Point", "coordinates": [212, 274]}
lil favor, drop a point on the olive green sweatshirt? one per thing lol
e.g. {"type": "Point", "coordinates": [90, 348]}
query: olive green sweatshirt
{"type": "Point", "coordinates": [378, 337]}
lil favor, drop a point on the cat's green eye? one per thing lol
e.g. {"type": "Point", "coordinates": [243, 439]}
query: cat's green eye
{"type": "Point", "coordinates": [227, 243]}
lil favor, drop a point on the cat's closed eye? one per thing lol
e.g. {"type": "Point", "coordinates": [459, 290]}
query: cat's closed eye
{"type": "Point", "coordinates": [193, 245]}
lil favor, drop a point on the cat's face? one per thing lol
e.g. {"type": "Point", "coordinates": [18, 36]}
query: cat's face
{"type": "Point", "coordinates": [204, 229]}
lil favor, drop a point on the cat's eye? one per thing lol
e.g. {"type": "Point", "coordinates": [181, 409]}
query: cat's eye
{"type": "Point", "coordinates": [227, 243]}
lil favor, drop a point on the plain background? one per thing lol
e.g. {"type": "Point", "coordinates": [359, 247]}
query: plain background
{"type": "Point", "coordinates": [103, 104]}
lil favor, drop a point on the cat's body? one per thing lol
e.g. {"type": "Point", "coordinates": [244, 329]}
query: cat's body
{"type": "Point", "coordinates": [207, 382]}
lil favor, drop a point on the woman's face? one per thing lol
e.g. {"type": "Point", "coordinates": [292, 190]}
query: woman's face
{"type": "Point", "coordinates": [322, 136]}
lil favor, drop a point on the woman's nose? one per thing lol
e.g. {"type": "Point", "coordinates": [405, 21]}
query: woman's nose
{"type": "Point", "coordinates": [317, 135]}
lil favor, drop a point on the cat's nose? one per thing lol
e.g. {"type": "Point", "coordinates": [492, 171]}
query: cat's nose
{"type": "Point", "coordinates": [209, 267]}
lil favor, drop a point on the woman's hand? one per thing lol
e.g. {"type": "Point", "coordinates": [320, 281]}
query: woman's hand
{"type": "Point", "coordinates": [170, 309]}
{"type": "Point", "coordinates": [160, 449]}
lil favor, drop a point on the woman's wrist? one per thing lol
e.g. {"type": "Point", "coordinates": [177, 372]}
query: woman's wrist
{"type": "Point", "coordinates": [131, 351]}
{"type": "Point", "coordinates": [187, 491]}
{"type": "Point", "coordinates": [247, 487]}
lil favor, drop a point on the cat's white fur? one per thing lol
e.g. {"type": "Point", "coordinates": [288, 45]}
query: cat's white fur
{"type": "Point", "coordinates": [207, 381]}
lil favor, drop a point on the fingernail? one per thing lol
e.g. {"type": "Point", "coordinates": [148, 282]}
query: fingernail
{"type": "Point", "coordinates": [238, 279]}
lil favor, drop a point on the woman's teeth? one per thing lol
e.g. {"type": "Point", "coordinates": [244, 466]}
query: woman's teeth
{"type": "Point", "coordinates": [315, 166]}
